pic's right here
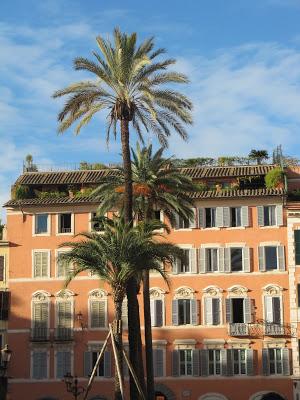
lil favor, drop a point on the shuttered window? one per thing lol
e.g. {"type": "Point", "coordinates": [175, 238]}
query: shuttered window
{"type": "Point", "coordinates": [41, 261]}
{"type": "Point", "coordinates": [64, 314]}
{"type": "Point", "coordinates": [2, 268]}
{"type": "Point", "coordinates": [40, 316]}
{"type": "Point", "coordinates": [271, 258]}
{"type": "Point", "coordinates": [4, 305]}
{"type": "Point", "coordinates": [156, 307]}
{"type": "Point", "coordinates": [98, 313]}
{"type": "Point", "coordinates": [214, 361]}
{"type": "Point", "coordinates": [63, 363]}
{"type": "Point", "coordinates": [273, 309]}
{"type": "Point", "coordinates": [39, 365]}
{"type": "Point", "coordinates": [63, 267]}
{"type": "Point", "coordinates": [276, 361]}
{"type": "Point", "coordinates": [41, 224]}
{"type": "Point", "coordinates": [184, 312]}
{"type": "Point", "coordinates": [270, 215]}
{"type": "Point", "coordinates": [297, 246]}
{"type": "Point", "coordinates": [212, 309]}
{"type": "Point", "coordinates": [158, 362]}
{"type": "Point", "coordinates": [188, 264]}
{"type": "Point", "coordinates": [104, 368]}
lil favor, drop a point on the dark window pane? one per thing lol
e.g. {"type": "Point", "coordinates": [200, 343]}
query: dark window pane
{"type": "Point", "coordinates": [271, 257]}
{"type": "Point", "coordinates": [236, 259]}
{"type": "Point", "coordinates": [41, 223]}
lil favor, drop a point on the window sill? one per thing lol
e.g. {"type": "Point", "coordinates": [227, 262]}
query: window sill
{"type": "Point", "coordinates": [41, 234]}
{"type": "Point", "coordinates": [235, 228]}
{"type": "Point", "coordinates": [65, 234]}
{"type": "Point", "coordinates": [270, 227]}
{"type": "Point", "coordinates": [216, 228]}
{"type": "Point", "coordinates": [183, 229]}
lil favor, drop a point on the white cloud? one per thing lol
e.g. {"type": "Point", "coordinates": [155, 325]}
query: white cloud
{"type": "Point", "coordinates": [245, 97]}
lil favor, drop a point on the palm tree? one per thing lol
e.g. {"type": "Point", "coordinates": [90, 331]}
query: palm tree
{"type": "Point", "coordinates": [130, 85]}
{"type": "Point", "coordinates": [157, 185]}
{"type": "Point", "coordinates": [258, 155]}
{"type": "Point", "coordinates": [121, 253]}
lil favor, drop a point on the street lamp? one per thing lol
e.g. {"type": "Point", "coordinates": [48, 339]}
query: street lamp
{"type": "Point", "coordinates": [72, 385]}
{"type": "Point", "coordinates": [4, 361]}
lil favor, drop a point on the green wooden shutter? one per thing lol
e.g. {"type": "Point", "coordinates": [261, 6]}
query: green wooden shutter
{"type": "Point", "coordinates": [175, 312]}
{"type": "Point", "coordinates": [64, 314]}
{"type": "Point", "coordinates": [250, 361]}
{"type": "Point", "coordinates": [158, 362]}
{"type": "Point", "coordinates": [286, 367]}
{"type": "Point", "coordinates": [260, 215]}
{"type": "Point", "coordinates": [201, 217]}
{"type": "Point", "coordinates": [246, 259]}
{"type": "Point", "coordinates": [208, 310]}
{"type": "Point", "coordinates": [63, 363]}
{"type": "Point", "coordinates": [202, 261]}
{"type": "Point", "coordinates": [196, 362]}
{"type": "Point", "coordinates": [281, 258]}
{"type": "Point", "coordinates": [98, 313]}
{"type": "Point", "coordinates": [193, 261]}
{"type": "Point", "coordinates": [297, 246]}
{"type": "Point", "coordinates": [245, 216]}
{"type": "Point", "coordinates": [194, 312]}
{"type": "Point", "coordinates": [39, 365]}
{"type": "Point", "coordinates": [265, 362]}
{"type": "Point", "coordinates": [226, 217]}
{"type": "Point", "coordinates": [204, 362]}
{"type": "Point", "coordinates": [2, 266]}
{"type": "Point", "coordinates": [175, 363]}
{"type": "Point", "coordinates": [87, 363]}
{"type": "Point", "coordinates": [261, 258]}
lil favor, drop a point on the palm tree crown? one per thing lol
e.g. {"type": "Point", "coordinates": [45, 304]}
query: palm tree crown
{"type": "Point", "coordinates": [157, 184]}
{"type": "Point", "coordinates": [130, 85]}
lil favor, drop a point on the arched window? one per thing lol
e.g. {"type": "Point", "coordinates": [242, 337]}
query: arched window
{"type": "Point", "coordinates": [212, 305]}
{"type": "Point", "coordinates": [184, 307]}
{"type": "Point", "coordinates": [239, 310]}
{"type": "Point", "coordinates": [40, 320]}
{"type": "Point", "coordinates": [97, 309]}
{"type": "Point", "coordinates": [157, 305]}
{"type": "Point", "coordinates": [64, 315]}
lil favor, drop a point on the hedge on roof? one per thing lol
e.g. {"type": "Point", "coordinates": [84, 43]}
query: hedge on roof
{"type": "Point", "coordinates": [274, 178]}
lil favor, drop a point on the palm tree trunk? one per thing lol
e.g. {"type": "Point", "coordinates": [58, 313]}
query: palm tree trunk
{"type": "Point", "coordinates": [134, 329]}
{"type": "Point", "coordinates": [148, 337]}
{"type": "Point", "coordinates": [119, 346]}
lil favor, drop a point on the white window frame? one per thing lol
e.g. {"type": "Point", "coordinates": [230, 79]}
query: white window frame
{"type": "Point", "coordinates": [214, 361]}
{"type": "Point", "coordinates": [97, 295]}
{"type": "Point", "coordinates": [32, 263]}
{"type": "Point", "coordinates": [95, 347]}
{"type": "Point", "coordinates": [48, 233]}
{"type": "Point", "coordinates": [210, 296]}
{"type": "Point", "coordinates": [277, 258]}
{"type": "Point", "coordinates": [239, 361]}
{"type": "Point", "coordinates": [191, 352]}
{"type": "Point", "coordinates": [59, 349]}
{"type": "Point", "coordinates": [39, 350]}
{"type": "Point", "coordinates": [72, 223]}
{"type": "Point", "coordinates": [276, 373]}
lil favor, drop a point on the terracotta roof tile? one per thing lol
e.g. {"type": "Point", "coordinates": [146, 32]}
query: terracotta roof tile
{"type": "Point", "coordinates": [223, 194]}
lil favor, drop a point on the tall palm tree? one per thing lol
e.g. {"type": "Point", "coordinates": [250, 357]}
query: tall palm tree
{"type": "Point", "coordinates": [131, 86]}
{"type": "Point", "coordinates": [157, 185]}
{"type": "Point", "coordinates": [121, 253]}
{"type": "Point", "coordinates": [258, 155]}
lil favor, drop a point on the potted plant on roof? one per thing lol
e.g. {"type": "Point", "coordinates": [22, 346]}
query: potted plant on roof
{"type": "Point", "coordinates": [275, 178]}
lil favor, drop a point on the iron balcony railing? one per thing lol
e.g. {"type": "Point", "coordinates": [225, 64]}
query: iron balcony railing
{"type": "Point", "coordinates": [62, 334]}
{"type": "Point", "coordinates": [39, 334]}
{"type": "Point", "coordinates": [238, 329]}
{"type": "Point", "coordinates": [274, 329]}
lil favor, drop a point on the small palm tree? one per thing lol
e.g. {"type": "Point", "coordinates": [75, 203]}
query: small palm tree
{"type": "Point", "coordinates": [119, 254]}
{"type": "Point", "coordinates": [258, 155]}
{"type": "Point", "coordinates": [157, 185]}
{"type": "Point", "coordinates": [131, 86]}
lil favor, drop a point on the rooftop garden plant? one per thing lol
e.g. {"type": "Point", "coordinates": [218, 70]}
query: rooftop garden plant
{"type": "Point", "coordinates": [274, 178]}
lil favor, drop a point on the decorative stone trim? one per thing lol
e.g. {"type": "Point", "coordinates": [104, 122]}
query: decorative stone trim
{"type": "Point", "coordinates": [238, 290]}
{"type": "Point", "coordinates": [184, 292]}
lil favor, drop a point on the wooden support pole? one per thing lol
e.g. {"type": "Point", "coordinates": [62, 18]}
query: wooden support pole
{"type": "Point", "coordinates": [118, 366]}
{"type": "Point", "coordinates": [136, 381]}
{"type": "Point", "coordinates": [96, 366]}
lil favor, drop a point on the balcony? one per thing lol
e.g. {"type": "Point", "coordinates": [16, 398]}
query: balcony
{"type": "Point", "coordinates": [238, 329]}
{"type": "Point", "coordinates": [39, 334]}
{"type": "Point", "coordinates": [63, 334]}
{"type": "Point", "coordinates": [274, 329]}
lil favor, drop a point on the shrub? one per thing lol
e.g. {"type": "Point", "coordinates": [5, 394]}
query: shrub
{"type": "Point", "coordinates": [87, 192]}
{"type": "Point", "coordinates": [274, 178]}
{"type": "Point", "coordinates": [22, 192]}
{"type": "Point", "coordinates": [45, 195]}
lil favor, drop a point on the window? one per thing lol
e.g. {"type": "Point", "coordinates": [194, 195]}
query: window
{"type": "Point", "coordinates": [158, 362]}
{"type": "Point", "coordinates": [184, 312]}
{"type": "Point", "coordinates": [41, 261]}
{"type": "Point", "coordinates": [184, 264]}
{"type": "Point", "coordinates": [63, 363]}
{"type": "Point", "coordinates": [98, 313]}
{"type": "Point", "coordinates": [212, 310]}
{"type": "Point", "coordinates": [90, 359]}
{"type": "Point", "coordinates": [185, 362]}
{"type": "Point", "coordinates": [273, 309]}
{"type": "Point", "coordinates": [236, 259]}
{"type": "Point", "coordinates": [297, 246]}
{"type": "Point", "coordinates": [212, 260]}
{"type": "Point", "coordinates": [239, 362]}
{"type": "Point", "coordinates": [271, 258]}
{"type": "Point", "coordinates": [2, 268]}
{"type": "Point", "coordinates": [183, 223]}
{"type": "Point", "coordinates": [156, 307]}
{"type": "Point", "coordinates": [63, 267]}
{"type": "Point", "coordinates": [235, 216]}
{"type": "Point", "coordinates": [276, 361]}
{"type": "Point", "coordinates": [271, 215]}
{"type": "Point", "coordinates": [239, 310]}
{"type": "Point", "coordinates": [214, 362]}
{"type": "Point", "coordinates": [65, 223]}
{"type": "Point", "coordinates": [298, 294]}
{"type": "Point", "coordinates": [157, 215]}
{"type": "Point", "coordinates": [39, 365]}
{"type": "Point", "coordinates": [210, 217]}
{"type": "Point", "coordinates": [64, 320]}
{"type": "Point", "coordinates": [188, 264]}
{"type": "Point", "coordinates": [41, 224]}
{"type": "Point", "coordinates": [95, 225]}
{"type": "Point", "coordinates": [4, 305]}
{"type": "Point", "coordinates": [40, 316]}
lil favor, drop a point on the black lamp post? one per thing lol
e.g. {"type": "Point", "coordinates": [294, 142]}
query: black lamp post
{"type": "Point", "coordinates": [72, 385]}
{"type": "Point", "coordinates": [4, 360]}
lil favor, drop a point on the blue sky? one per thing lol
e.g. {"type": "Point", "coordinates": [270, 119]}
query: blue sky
{"type": "Point", "coordinates": [242, 57]}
